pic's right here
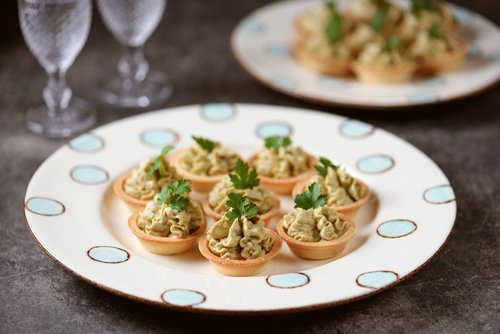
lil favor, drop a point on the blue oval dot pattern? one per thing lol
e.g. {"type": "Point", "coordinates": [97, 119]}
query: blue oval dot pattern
{"type": "Point", "coordinates": [278, 50]}
{"type": "Point", "coordinates": [423, 96]}
{"type": "Point", "coordinates": [328, 82]}
{"type": "Point", "coordinates": [108, 254]}
{"type": "Point", "coordinates": [356, 129]}
{"type": "Point", "coordinates": [159, 137]}
{"type": "Point", "coordinates": [44, 206]}
{"type": "Point", "coordinates": [89, 174]}
{"type": "Point", "coordinates": [87, 143]}
{"type": "Point", "coordinates": [439, 194]}
{"type": "Point", "coordinates": [284, 83]}
{"type": "Point", "coordinates": [251, 25]}
{"type": "Point", "coordinates": [183, 297]}
{"type": "Point", "coordinates": [396, 228]}
{"type": "Point", "coordinates": [288, 281]}
{"type": "Point", "coordinates": [462, 15]}
{"type": "Point", "coordinates": [376, 164]}
{"type": "Point", "coordinates": [218, 111]}
{"type": "Point", "coordinates": [376, 279]}
{"type": "Point", "coordinates": [274, 128]}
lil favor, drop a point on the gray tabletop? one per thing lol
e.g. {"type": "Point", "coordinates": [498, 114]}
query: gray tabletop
{"type": "Point", "coordinates": [458, 291]}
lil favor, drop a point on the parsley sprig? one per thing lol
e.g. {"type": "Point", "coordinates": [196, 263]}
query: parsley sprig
{"type": "Point", "coordinates": [277, 141]}
{"type": "Point", "coordinates": [379, 19]}
{"type": "Point", "coordinates": [322, 168]}
{"type": "Point", "coordinates": [244, 178]}
{"type": "Point", "coordinates": [393, 43]}
{"type": "Point", "coordinates": [174, 195]}
{"type": "Point", "coordinates": [240, 207]}
{"type": "Point", "coordinates": [206, 144]}
{"type": "Point", "coordinates": [334, 25]}
{"type": "Point", "coordinates": [434, 31]}
{"type": "Point", "coordinates": [311, 198]}
{"type": "Point", "coordinates": [418, 6]}
{"type": "Point", "coordinates": [158, 161]}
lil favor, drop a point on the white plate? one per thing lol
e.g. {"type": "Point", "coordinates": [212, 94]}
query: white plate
{"type": "Point", "coordinates": [75, 217]}
{"type": "Point", "coordinates": [261, 44]}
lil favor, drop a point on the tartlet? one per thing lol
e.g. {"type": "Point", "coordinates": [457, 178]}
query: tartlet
{"type": "Point", "coordinates": [383, 74]}
{"type": "Point", "coordinates": [284, 186]}
{"type": "Point", "coordinates": [445, 62]}
{"type": "Point", "coordinates": [232, 267]}
{"type": "Point", "coordinates": [318, 250]}
{"type": "Point", "coordinates": [132, 203]}
{"type": "Point", "coordinates": [349, 210]}
{"type": "Point", "coordinates": [163, 245]}
{"type": "Point", "coordinates": [330, 65]}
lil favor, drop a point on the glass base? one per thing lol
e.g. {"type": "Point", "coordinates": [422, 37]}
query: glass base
{"type": "Point", "coordinates": [155, 88]}
{"type": "Point", "coordinates": [78, 117]}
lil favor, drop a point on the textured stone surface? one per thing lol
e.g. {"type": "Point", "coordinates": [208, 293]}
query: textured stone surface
{"type": "Point", "coordinates": [457, 292]}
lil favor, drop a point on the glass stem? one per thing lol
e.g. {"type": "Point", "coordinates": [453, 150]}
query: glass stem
{"type": "Point", "coordinates": [133, 67]}
{"type": "Point", "coordinates": [57, 94]}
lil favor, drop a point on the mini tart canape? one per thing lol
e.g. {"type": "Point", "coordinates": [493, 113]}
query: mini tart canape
{"type": "Point", "coordinates": [343, 192]}
{"type": "Point", "coordinates": [238, 244]}
{"type": "Point", "coordinates": [384, 63]}
{"type": "Point", "coordinates": [281, 166]}
{"type": "Point", "coordinates": [139, 185]}
{"type": "Point", "coordinates": [318, 250]}
{"type": "Point", "coordinates": [205, 163]}
{"type": "Point", "coordinates": [243, 181]}
{"type": "Point", "coordinates": [170, 223]}
{"type": "Point", "coordinates": [436, 52]}
{"type": "Point", "coordinates": [313, 230]}
{"type": "Point", "coordinates": [321, 49]}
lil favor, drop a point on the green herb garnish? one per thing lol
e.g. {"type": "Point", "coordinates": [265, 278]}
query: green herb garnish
{"type": "Point", "coordinates": [277, 141]}
{"type": "Point", "coordinates": [204, 143]}
{"type": "Point", "coordinates": [434, 31]}
{"type": "Point", "coordinates": [174, 195]}
{"type": "Point", "coordinates": [379, 19]}
{"type": "Point", "coordinates": [334, 25]}
{"type": "Point", "coordinates": [158, 161]}
{"type": "Point", "coordinates": [240, 207]}
{"type": "Point", "coordinates": [325, 164]}
{"type": "Point", "coordinates": [243, 179]}
{"type": "Point", "coordinates": [418, 6]}
{"type": "Point", "coordinates": [311, 198]}
{"type": "Point", "coordinates": [393, 43]}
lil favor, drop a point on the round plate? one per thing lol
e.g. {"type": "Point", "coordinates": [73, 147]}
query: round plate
{"type": "Point", "coordinates": [261, 44]}
{"type": "Point", "coordinates": [75, 217]}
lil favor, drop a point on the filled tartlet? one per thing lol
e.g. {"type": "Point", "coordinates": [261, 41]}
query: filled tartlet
{"type": "Point", "coordinates": [313, 229]}
{"type": "Point", "coordinates": [280, 165]}
{"type": "Point", "coordinates": [423, 15]}
{"type": "Point", "coordinates": [243, 181]}
{"type": "Point", "coordinates": [204, 163]}
{"type": "Point", "coordinates": [384, 62]}
{"type": "Point", "coordinates": [239, 244]}
{"type": "Point", "coordinates": [141, 184]}
{"type": "Point", "coordinates": [342, 191]}
{"type": "Point", "coordinates": [170, 223]}
{"type": "Point", "coordinates": [320, 43]}
{"type": "Point", "coordinates": [438, 52]}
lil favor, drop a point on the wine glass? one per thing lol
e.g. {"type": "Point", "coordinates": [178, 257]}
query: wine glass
{"type": "Point", "coordinates": [55, 32]}
{"type": "Point", "coordinates": [132, 22]}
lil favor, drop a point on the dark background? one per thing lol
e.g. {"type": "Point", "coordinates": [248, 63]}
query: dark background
{"type": "Point", "coordinates": [457, 292]}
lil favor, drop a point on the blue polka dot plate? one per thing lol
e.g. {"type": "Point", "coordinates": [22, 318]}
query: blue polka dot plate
{"type": "Point", "coordinates": [401, 227]}
{"type": "Point", "coordinates": [261, 44]}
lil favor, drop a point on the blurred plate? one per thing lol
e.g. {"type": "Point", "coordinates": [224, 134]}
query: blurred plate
{"type": "Point", "coordinates": [75, 217]}
{"type": "Point", "coordinates": [261, 44]}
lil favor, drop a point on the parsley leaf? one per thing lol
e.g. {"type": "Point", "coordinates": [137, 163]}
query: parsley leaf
{"type": "Point", "coordinates": [158, 161]}
{"type": "Point", "coordinates": [393, 43]}
{"type": "Point", "coordinates": [334, 25]}
{"type": "Point", "coordinates": [242, 179]}
{"type": "Point", "coordinates": [311, 198]}
{"type": "Point", "coordinates": [174, 195]}
{"type": "Point", "coordinates": [325, 164]}
{"type": "Point", "coordinates": [418, 6]}
{"type": "Point", "coordinates": [378, 20]}
{"type": "Point", "coordinates": [277, 141]}
{"type": "Point", "coordinates": [240, 207]}
{"type": "Point", "coordinates": [434, 31]}
{"type": "Point", "coordinates": [204, 143]}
